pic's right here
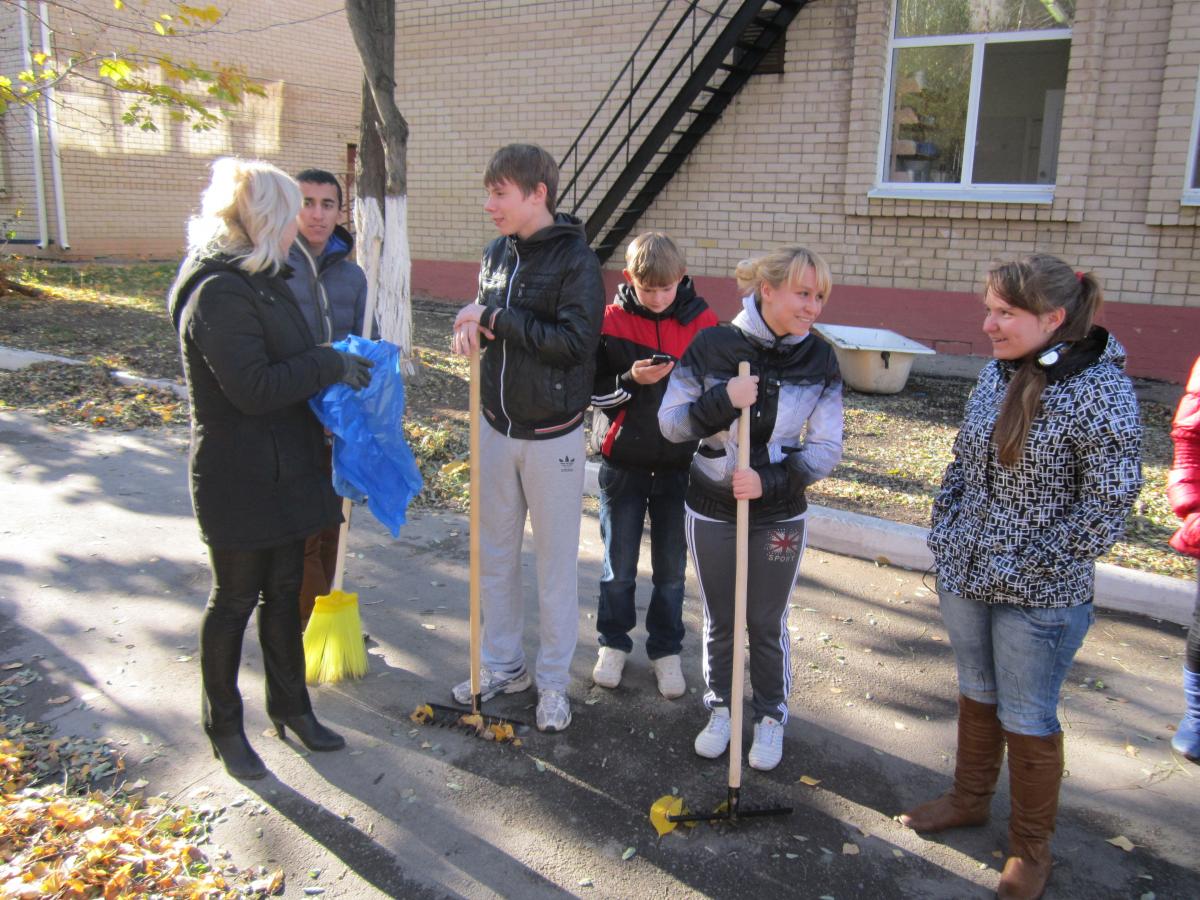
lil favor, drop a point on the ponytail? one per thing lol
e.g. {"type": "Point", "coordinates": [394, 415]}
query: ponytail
{"type": "Point", "coordinates": [1039, 284]}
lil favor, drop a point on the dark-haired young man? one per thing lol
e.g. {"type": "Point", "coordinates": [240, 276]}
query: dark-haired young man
{"type": "Point", "coordinates": [332, 293]}
{"type": "Point", "coordinates": [537, 316]}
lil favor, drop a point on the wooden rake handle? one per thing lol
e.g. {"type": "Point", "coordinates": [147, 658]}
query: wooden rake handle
{"type": "Point", "coordinates": [475, 412]}
{"type": "Point", "coordinates": [737, 687]}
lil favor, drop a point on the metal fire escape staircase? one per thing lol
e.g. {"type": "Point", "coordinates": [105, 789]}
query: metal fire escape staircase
{"type": "Point", "coordinates": [658, 109]}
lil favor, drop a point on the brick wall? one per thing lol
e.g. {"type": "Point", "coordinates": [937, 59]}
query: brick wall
{"type": "Point", "coordinates": [129, 192]}
{"type": "Point", "coordinates": [793, 158]}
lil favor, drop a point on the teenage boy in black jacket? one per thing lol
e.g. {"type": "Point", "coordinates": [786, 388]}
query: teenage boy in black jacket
{"type": "Point", "coordinates": [646, 328]}
{"type": "Point", "coordinates": [537, 317]}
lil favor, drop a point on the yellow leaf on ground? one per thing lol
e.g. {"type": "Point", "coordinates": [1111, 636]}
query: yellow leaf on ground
{"type": "Point", "coordinates": [1123, 842]}
{"type": "Point", "coordinates": [422, 714]}
{"type": "Point", "coordinates": [809, 780]}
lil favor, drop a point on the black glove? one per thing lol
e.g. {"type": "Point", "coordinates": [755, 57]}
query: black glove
{"type": "Point", "coordinates": [356, 370]}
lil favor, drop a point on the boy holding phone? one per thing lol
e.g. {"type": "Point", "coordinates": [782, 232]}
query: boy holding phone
{"type": "Point", "coordinates": [649, 324]}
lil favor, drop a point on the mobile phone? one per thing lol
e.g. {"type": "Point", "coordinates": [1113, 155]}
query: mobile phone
{"type": "Point", "coordinates": [659, 358]}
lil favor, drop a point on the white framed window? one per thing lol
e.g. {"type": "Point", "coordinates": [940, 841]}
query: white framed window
{"type": "Point", "coordinates": [974, 100]}
{"type": "Point", "coordinates": [1191, 187]}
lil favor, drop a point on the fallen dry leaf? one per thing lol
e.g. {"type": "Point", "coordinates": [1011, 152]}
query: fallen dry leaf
{"type": "Point", "coordinates": [809, 780]}
{"type": "Point", "coordinates": [1123, 842]}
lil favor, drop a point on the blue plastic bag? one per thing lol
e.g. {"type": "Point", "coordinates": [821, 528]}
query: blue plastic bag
{"type": "Point", "coordinates": [371, 459]}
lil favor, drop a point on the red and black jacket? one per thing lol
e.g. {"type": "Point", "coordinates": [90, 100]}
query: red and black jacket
{"type": "Point", "coordinates": [626, 423]}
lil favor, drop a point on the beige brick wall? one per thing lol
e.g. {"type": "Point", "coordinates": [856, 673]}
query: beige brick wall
{"type": "Point", "coordinates": [795, 155]}
{"type": "Point", "coordinates": [792, 159]}
{"type": "Point", "coordinates": [128, 192]}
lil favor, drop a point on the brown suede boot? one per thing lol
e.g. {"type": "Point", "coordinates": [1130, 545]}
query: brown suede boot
{"type": "Point", "coordinates": [980, 752]}
{"type": "Point", "coordinates": [1035, 767]}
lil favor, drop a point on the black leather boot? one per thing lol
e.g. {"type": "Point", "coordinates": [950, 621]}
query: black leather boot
{"type": "Point", "coordinates": [312, 733]}
{"type": "Point", "coordinates": [239, 757]}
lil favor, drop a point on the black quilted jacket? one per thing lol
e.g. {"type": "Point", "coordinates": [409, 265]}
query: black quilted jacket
{"type": "Point", "coordinates": [1029, 534]}
{"type": "Point", "coordinates": [545, 298]}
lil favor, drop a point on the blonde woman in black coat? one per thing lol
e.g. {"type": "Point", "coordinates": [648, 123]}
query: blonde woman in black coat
{"type": "Point", "coordinates": [255, 465]}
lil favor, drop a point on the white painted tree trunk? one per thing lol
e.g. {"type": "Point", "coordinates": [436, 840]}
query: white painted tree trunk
{"type": "Point", "coordinates": [383, 253]}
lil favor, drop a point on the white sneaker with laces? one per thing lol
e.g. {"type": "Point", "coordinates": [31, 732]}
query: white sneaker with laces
{"type": "Point", "coordinates": [492, 683]}
{"type": "Point", "coordinates": [553, 711]}
{"type": "Point", "coordinates": [767, 749]}
{"type": "Point", "coordinates": [670, 676]}
{"type": "Point", "coordinates": [714, 739]}
{"type": "Point", "coordinates": [609, 664]}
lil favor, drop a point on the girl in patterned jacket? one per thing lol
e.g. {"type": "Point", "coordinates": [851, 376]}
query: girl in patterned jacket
{"type": "Point", "coordinates": [794, 392]}
{"type": "Point", "coordinates": [1046, 467]}
{"type": "Point", "coordinates": [1183, 490]}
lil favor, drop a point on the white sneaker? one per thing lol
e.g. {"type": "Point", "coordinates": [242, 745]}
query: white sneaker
{"type": "Point", "coordinates": [492, 683]}
{"type": "Point", "coordinates": [670, 676]}
{"type": "Point", "coordinates": [553, 711]}
{"type": "Point", "coordinates": [714, 739]}
{"type": "Point", "coordinates": [609, 664]}
{"type": "Point", "coordinates": [767, 749]}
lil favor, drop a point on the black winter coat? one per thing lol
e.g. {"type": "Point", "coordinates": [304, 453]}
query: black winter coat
{"type": "Point", "coordinates": [545, 301]}
{"type": "Point", "coordinates": [251, 365]}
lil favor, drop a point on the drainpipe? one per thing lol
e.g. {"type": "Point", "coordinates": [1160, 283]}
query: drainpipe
{"type": "Point", "coordinates": [35, 133]}
{"type": "Point", "coordinates": [60, 203]}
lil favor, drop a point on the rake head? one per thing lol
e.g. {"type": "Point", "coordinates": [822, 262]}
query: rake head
{"type": "Point", "coordinates": [488, 728]}
{"type": "Point", "coordinates": [730, 811]}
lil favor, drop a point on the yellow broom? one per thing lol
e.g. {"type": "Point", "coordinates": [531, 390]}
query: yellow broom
{"type": "Point", "coordinates": [333, 641]}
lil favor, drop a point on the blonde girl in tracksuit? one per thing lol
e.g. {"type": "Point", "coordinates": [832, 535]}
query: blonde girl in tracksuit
{"type": "Point", "coordinates": [794, 392]}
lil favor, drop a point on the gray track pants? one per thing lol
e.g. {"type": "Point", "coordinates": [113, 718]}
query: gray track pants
{"type": "Point", "coordinates": [543, 479]}
{"type": "Point", "coordinates": [774, 555]}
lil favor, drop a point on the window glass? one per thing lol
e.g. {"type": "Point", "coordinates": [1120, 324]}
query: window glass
{"type": "Point", "coordinates": [929, 113]}
{"type": "Point", "coordinates": [1020, 112]}
{"type": "Point", "coordinates": [931, 17]}
{"type": "Point", "coordinates": [1195, 185]}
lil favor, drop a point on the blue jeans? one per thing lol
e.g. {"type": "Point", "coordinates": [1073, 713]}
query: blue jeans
{"type": "Point", "coordinates": [1015, 657]}
{"type": "Point", "coordinates": [625, 497]}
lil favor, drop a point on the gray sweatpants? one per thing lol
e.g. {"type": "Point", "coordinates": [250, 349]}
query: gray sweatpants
{"type": "Point", "coordinates": [774, 554]}
{"type": "Point", "coordinates": [544, 480]}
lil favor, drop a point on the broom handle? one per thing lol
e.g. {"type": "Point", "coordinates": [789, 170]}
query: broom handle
{"type": "Point", "coordinates": [739, 603]}
{"type": "Point", "coordinates": [339, 568]}
{"type": "Point", "coordinates": [475, 412]}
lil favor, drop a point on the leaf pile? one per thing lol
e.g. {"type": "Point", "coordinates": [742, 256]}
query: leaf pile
{"type": "Point", "coordinates": [99, 845]}
{"type": "Point", "coordinates": [31, 755]}
{"type": "Point", "coordinates": [88, 395]}
{"type": "Point", "coordinates": [60, 837]}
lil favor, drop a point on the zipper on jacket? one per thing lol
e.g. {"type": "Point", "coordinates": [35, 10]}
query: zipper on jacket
{"type": "Point", "coordinates": [319, 294]}
{"type": "Point", "coordinates": [504, 344]}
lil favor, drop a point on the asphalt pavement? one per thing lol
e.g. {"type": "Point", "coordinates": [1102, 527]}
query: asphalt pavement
{"type": "Point", "coordinates": [103, 579]}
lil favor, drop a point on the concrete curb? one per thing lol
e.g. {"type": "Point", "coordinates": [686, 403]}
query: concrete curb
{"type": "Point", "coordinates": [897, 544]}
{"type": "Point", "coordinates": [14, 360]}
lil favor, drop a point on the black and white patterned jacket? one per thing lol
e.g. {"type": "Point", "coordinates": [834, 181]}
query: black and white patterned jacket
{"type": "Point", "coordinates": [1029, 534]}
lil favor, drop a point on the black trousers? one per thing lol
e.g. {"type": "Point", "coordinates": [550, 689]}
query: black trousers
{"type": "Point", "coordinates": [244, 580]}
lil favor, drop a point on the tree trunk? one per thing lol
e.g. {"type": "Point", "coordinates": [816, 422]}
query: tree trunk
{"type": "Point", "coordinates": [381, 205]}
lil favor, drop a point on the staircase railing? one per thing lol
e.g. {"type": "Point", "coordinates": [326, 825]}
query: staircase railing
{"type": "Point", "coordinates": [660, 105]}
